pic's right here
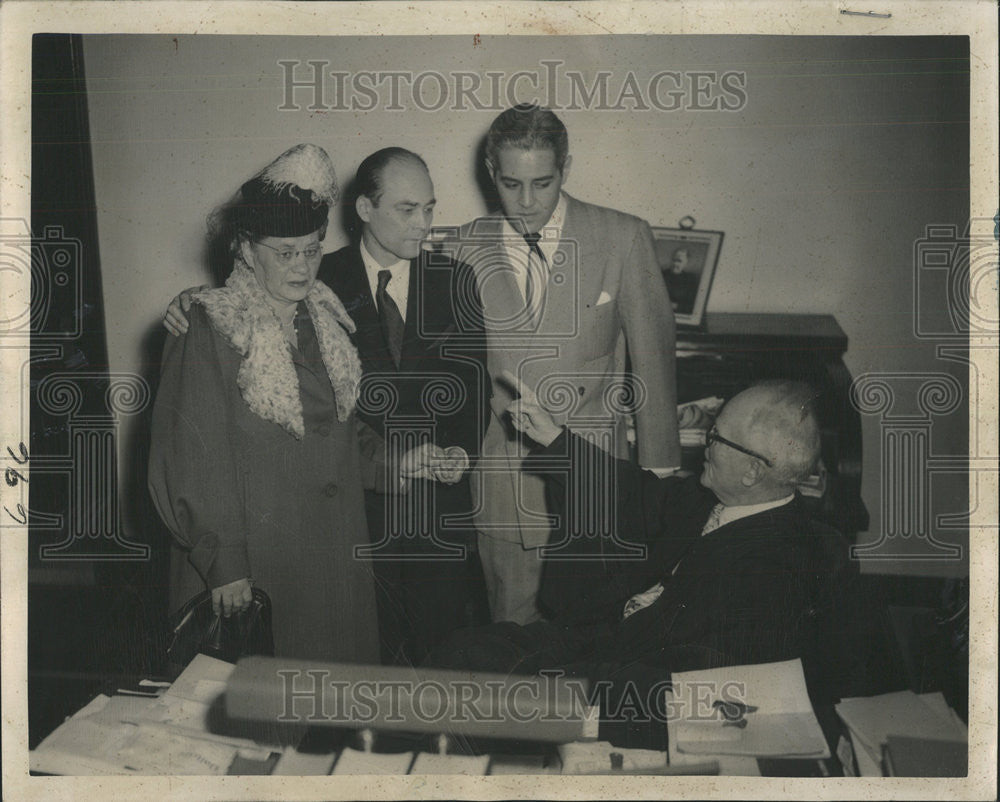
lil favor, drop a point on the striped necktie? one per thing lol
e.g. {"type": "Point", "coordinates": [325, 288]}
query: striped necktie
{"type": "Point", "coordinates": [534, 278]}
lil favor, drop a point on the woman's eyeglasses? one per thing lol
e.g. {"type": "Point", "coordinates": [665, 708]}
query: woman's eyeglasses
{"type": "Point", "coordinates": [713, 436]}
{"type": "Point", "coordinates": [288, 256]}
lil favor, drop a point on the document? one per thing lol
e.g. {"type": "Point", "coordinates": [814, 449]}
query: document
{"type": "Point", "coordinates": [468, 765]}
{"type": "Point", "coordinates": [89, 746]}
{"type": "Point", "coordinates": [352, 761]}
{"type": "Point", "coordinates": [755, 710]}
{"type": "Point", "coordinates": [588, 757]}
{"type": "Point", "coordinates": [872, 719]}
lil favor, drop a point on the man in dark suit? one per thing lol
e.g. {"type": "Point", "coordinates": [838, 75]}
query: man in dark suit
{"type": "Point", "coordinates": [570, 290]}
{"type": "Point", "coordinates": [736, 572]}
{"type": "Point", "coordinates": [421, 341]}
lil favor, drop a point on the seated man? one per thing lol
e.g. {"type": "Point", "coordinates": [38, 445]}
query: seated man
{"type": "Point", "coordinates": [735, 570]}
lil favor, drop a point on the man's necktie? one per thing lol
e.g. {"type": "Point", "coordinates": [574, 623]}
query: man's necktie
{"type": "Point", "coordinates": [389, 317]}
{"type": "Point", "coordinates": [535, 278]}
{"type": "Point", "coordinates": [714, 519]}
{"type": "Point", "coordinates": [713, 522]}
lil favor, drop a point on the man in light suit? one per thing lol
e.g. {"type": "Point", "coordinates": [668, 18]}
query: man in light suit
{"type": "Point", "coordinates": [570, 291]}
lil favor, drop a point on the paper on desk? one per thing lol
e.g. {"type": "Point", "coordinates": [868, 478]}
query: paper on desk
{"type": "Point", "coordinates": [468, 765]}
{"type": "Point", "coordinates": [351, 761]}
{"type": "Point", "coordinates": [868, 764]}
{"type": "Point", "coordinates": [294, 763]}
{"type": "Point", "coordinates": [522, 764]}
{"type": "Point", "coordinates": [871, 719]}
{"type": "Point", "coordinates": [587, 757]}
{"type": "Point", "coordinates": [783, 725]}
{"type": "Point", "coordinates": [89, 746]}
{"type": "Point", "coordinates": [729, 765]}
{"type": "Point", "coordinates": [939, 704]}
{"type": "Point", "coordinates": [203, 680]}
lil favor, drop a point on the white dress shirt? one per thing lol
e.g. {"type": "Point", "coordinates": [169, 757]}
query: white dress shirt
{"type": "Point", "coordinates": [518, 252]}
{"type": "Point", "coordinates": [398, 288]}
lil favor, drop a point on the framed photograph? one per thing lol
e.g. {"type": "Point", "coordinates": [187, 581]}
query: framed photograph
{"type": "Point", "coordinates": [687, 259]}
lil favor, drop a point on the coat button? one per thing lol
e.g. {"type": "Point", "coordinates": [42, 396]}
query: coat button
{"type": "Point", "coordinates": [583, 390]}
{"type": "Point", "coordinates": [330, 490]}
{"type": "Point", "coordinates": [324, 430]}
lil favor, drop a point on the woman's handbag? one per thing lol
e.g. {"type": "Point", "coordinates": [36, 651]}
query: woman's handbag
{"type": "Point", "coordinates": [198, 630]}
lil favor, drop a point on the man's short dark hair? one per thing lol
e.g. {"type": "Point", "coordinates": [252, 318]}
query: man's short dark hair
{"type": "Point", "coordinates": [527, 127]}
{"type": "Point", "coordinates": [369, 177]}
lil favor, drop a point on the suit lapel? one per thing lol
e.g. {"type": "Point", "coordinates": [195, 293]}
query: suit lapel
{"type": "Point", "coordinates": [416, 293]}
{"type": "Point", "coordinates": [502, 299]}
{"type": "Point", "coordinates": [574, 281]}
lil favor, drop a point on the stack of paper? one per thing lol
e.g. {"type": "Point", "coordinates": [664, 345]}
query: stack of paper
{"type": "Point", "coordinates": [870, 720]}
{"type": "Point", "coordinates": [171, 734]}
{"type": "Point", "coordinates": [96, 741]}
{"type": "Point", "coordinates": [352, 761]}
{"type": "Point", "coordinates": [778, 723]}
{"type": "Point", "coordinates": [469, 765]}
{"type": "Point", "coordinates": [729, 765]}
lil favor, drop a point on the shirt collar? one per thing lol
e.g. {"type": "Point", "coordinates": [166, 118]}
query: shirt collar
{"type": "Point", "coordinates": [373, 267]}
{"type": "Point", "coordinates": [551, 232]}
{"type": "Point", "coordinates": [730, 514]}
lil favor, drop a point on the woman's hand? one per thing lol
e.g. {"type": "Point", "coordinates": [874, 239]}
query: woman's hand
{"type": "Point", "coordinates": [527, 414]}
{"type": "Point", "coordinates": [232, 598]}
{"type": "Point", "coordinates": [174, 320]}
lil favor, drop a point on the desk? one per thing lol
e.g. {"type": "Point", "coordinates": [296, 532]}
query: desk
{"type": "Point", "coordinates": [196, 710]}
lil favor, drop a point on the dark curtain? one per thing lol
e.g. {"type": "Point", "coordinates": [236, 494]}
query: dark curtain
{"type": "Point", "coordinates": [96, 610]}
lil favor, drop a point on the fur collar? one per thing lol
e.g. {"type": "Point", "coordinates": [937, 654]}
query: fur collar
{"type": "Point", "coordinates": [267, 381]}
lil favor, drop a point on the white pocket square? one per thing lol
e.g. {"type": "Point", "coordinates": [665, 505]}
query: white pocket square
{"type": "Point", "coordinates": [603, 299]}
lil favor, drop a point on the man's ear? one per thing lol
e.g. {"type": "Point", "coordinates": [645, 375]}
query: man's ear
{"type": "Point", "coordinates": [753, 474]}
{"type": "Point", "coordinates": [363, 206]}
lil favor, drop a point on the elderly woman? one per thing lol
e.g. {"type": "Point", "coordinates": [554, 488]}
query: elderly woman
{"type": "Point", "coordinates": [254, 462]}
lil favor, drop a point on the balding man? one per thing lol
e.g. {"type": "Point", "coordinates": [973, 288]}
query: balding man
{"type": "Point", "coordinates": [736, 572]}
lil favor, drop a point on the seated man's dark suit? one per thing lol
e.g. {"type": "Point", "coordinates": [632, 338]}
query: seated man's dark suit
{"type": "Point", "coordinates": [441, 385]}
{"type": "Point", "coordinates": [771, 586]}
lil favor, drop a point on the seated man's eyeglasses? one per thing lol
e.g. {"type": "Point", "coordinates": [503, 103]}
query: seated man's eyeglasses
{"type": "Point", "coordinates": [713, 436]}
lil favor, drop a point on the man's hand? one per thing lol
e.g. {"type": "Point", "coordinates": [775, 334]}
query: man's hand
{"type": "Point", "coordinates": [528, 416]}
{"type": "Point", "coordinates": [232, 598]}
{"type": "Point", "coordinates": [174, 320]}
{"type": "Point", "coordinates": [455, 463]}
{"type": "Point", "coordinates": [422, 462]}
